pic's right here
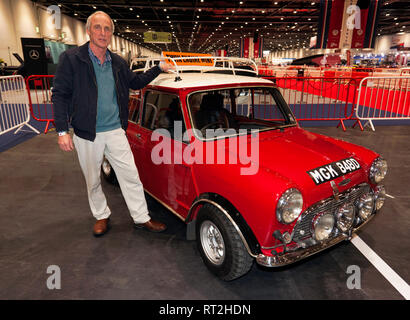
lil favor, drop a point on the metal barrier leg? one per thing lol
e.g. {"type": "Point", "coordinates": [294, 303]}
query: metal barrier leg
{"type": "Point", "coordinates": [369, 122]}
{"type": "Point", "coordinates": [48, 125]}
{"type": "Point", "coordinates": [359, 123]}
{"type": "Point", "coordinates": [28, 125]}
{"type": "Point", "coordinates": [341, 123]}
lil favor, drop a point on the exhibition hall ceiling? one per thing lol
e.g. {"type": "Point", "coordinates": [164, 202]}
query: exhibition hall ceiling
{"type": "Point", "coordinates": [205, 25]}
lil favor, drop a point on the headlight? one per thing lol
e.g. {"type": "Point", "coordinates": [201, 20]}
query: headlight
{"type": "Point", "coordinates": [365, 205]}
{"type": "Point", "coordinates": [345, 217]}
{"type": "Point", "coordinates": [378, 170]}
{"type": "Point", "coordinates": [323, 226]}
{"type": "Point", "coordinates": [380, 197]}
{"type": "Point", "coordinates": [289, 206]}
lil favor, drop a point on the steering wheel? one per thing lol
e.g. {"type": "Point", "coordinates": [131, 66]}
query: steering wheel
{"type": "Point", "coordinates": [217, 124]}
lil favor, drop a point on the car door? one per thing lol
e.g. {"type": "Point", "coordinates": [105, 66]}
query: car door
{"type": "Point", "coordinates": [139, 138]}
{"type": "Point", "coordinates": [158, 148]}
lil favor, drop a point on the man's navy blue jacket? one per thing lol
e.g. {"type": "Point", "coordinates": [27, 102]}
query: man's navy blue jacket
{"type": "Point", "coordinates": [74, 93]}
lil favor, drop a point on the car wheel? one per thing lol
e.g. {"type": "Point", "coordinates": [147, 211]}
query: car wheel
{"type": "Point", "coordinates": [220, 245]}
{"type": "Point", "coordinates": [108, 172]}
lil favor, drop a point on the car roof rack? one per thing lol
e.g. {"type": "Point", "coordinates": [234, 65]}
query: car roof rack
{"type": "Point", "coordinates": [238, 66]}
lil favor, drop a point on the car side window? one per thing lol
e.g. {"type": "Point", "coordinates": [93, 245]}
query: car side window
{"type": "Point", "coordinates": [163, 111]}
{"type": "Point", "coordinates": [134, 106]}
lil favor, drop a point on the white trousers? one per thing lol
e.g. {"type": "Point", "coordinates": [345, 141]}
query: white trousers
{"type": "Point", "coordinates": [114, 145]}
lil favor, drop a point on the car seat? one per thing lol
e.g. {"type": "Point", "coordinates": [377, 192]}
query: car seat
{"type": "Point", "coordinates": [211, 110]}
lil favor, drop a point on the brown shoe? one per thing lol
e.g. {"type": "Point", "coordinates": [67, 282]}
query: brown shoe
{"type": "Point", "coordinates": [152, 226]}
{"type": "Point", "coordinates": [101, 227]}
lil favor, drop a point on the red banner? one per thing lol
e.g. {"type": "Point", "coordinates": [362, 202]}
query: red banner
{"type": "Point", "coordinates": [256, 48]}
{"type": "Point", "coordinates": [358, 34]}
{"type": "Point", "coordinates": [246, 48]}
{"type": "Point", "coordinates": [335, 23]}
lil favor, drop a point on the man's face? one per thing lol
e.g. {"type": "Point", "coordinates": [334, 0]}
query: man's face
{"type": "Point", "coordinates": [100, 31]}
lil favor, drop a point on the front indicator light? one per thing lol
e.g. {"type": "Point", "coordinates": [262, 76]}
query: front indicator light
{"type": "Point", "coordinates": [380, 197]}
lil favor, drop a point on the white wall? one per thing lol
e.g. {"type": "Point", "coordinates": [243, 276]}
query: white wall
{"type": "Point", "coordinates": [19, 18]}
{"type": "Point", "coordinates": [382, 45]}
{"type": "Point", "coordinates": [8, 41]}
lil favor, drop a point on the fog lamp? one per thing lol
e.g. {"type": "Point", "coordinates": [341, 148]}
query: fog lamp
{"type": "Point", "coordinates": [345, 217]}
{"type": "Point", "coordinates": [365, 205]}
{"type": "Point", "coordinates": [323, 226]}
{"type": "Point", "coordinates": [378, 170]}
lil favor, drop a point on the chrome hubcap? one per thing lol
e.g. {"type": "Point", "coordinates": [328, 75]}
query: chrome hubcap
{"type": "Point", "coordinates": [212, 242]}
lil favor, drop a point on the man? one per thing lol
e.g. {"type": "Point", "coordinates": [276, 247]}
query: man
{"type": "Point", "coordinates": [91, 91]}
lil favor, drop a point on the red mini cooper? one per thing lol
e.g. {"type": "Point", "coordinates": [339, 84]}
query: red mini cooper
{"type": "Point", "coordinates": [221, 149]}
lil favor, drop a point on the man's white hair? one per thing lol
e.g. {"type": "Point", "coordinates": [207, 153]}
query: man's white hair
{"type": "Point", "coordinates": [88, 24]}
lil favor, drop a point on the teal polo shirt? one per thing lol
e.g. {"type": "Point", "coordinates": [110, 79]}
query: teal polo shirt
{"type": "Point", "coordinates": [108, 116]}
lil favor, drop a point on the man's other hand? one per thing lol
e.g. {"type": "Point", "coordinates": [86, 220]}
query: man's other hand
{"type": "Point", "coordinates": [165, 67]}
{"type": "Point", "coordinates": [66, 143]}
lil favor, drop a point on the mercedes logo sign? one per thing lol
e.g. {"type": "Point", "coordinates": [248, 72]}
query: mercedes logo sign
{"type": "Point", "coordinates": [34, 54]}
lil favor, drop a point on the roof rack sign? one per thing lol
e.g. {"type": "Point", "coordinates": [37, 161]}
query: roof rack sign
{"type": "Point", "coordinates": [193, 59]}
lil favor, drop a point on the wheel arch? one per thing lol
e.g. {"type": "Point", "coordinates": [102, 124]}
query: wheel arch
{"type": "Point", "coordinates": [228, 209]}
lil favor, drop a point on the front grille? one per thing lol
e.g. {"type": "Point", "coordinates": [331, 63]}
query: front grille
{"type": "Point", "coordinates": [303, 228]}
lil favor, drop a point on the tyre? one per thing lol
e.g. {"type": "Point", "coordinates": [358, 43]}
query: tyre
{"type": "Point", "coordinates": [108, 172]}
{"type": "Point", "coordinates": [220, 245]}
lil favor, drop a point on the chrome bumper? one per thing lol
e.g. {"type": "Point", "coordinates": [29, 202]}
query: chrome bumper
{"type": "Point", "coordinates": [302, 253]}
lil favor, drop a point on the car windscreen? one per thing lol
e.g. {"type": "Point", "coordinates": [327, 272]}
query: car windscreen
{"type": "Point", "coordinates": [239, 110]}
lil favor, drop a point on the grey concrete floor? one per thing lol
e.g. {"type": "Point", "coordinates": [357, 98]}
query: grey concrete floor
{"type": "Point", "coordinates": [45, 220]}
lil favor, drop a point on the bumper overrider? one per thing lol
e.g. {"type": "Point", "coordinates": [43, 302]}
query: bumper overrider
{"type": "Point", "coordinates": [343, 215]}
